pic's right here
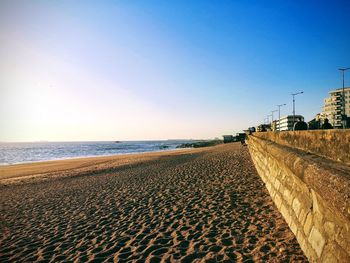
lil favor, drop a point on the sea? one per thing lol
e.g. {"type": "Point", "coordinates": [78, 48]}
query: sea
{"type": "Point", "coordinates": [15, 153]}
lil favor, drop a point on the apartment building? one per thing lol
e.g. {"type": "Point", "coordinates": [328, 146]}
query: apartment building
{"type": "Point", "coordinates": [332, 109]}
{"type": "Point", "coordinates": [286, 123]}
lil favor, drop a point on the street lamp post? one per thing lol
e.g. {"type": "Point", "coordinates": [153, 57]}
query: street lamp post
{"type": "Point", "coordinates": [343, 100]}
{"type": "Point", "coordinates": [294, 94]}
{"type": "Point", "coordinates": [272, 117]}
{"type": "Point", "coordinates": [272, 113]}
{"type": "Point", "coordinates": [268, 119]}
{"type": "Point", "coordinates": [279, 115]}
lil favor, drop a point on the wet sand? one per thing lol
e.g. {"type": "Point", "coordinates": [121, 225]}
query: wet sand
{"type": "Point", "coordinates": [192, 205]}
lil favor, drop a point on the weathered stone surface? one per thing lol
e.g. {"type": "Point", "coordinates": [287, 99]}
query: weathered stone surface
{"type": "Point", "coordinates": [288, 196]}
{"type": "Point", "coordinates": [324, 176]}
{"type": "Point", "coordinates": [330, 258]}
{"type": "Point", "coordinates": [296, 206]}
{"type": "Point", "coordinates": [293, 227]}
{"type": "Point", "coordinates": [308, 223]}
{"type": "Point", "coordinates": [278, 201]}
{"type": "Point", "coordinates": [268, 186]}
{"type": "Point", "coordinates": [315, 204]}
{"type": "Point", "coordinates": [329, 229]}
{"type": "Point", "coordinates": [311, 192]}
{"type": "Point", "coordinates": [332, 144]}
{"type": "Point", "coordinates": [302, 216]}
{"type": "Point", "coordinates": [285, 213]}
{"type": "Point", "coordinates": [277, 184]}
{"type": "Point", "coordinates": [316, 240]}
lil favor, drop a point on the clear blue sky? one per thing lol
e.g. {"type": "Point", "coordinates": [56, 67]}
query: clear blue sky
{"type": "Point", "coordinates": [126, 70]}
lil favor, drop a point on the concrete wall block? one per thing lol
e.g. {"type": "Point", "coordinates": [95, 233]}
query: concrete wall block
{"type": "Point", "coordinates": [263, 168]}
{"type": "Point", "coordinates": [285, 213]}
{"type": "Point", "coordinates": [278, 200]}
{"type": "Point", "coordinates": [256, 156]}
{"type": "Point", "coordinates": [277, 184]}
{"type": "Point", "coordinates": [287, 195]}
{"type": "Point", "coordinates": [317, 209]}
{"type": "Point", "coordinates": [311, 254]}
{"type": "Point", "coordinates": [260, 158]}
{"type": "Point", "coordinates": [300, 187]}
{"type": "Point", "coordinates": [308, 223]}
{"type": "Point", "coordinates": [273, 175]}
{"type": "Point", "coordinates": [302, 240]}
{"type": "Point", "coordinates": [257, 163]}
{"type": "Point", "coordinates": [272, 193]}
{"type": "Point", "coordinates": [316, 240]}
{"type": "Point", "coordinates": [304, 189]}
{"type": "Point", "coordinates": [258, 167]}
{"type": "Point", "coordinates": [268, 186]}
{"type": "Point", "coordinates": [302, 216]}
{"type": "Point", "coordinates": [318, 220]}
{"type": "Point", "coordinates": [265, 162]}
{"type": "Point", "coordinates": [282, 188]}
{"type": "Point", "coordinates": [266, 169]}
{"type": "Point", "coordinates": [305, 201]}
{"type": "Point", "coordinates": [296, 205]}
{"type": "Point", "coordinates": [277, 171]}
{"type": "Point", "coordinates": [294, 226]}
{"type": "Point", "coordinates": [260, 171]}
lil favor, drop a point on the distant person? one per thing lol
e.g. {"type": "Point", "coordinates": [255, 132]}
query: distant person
{"type": "Point", "coordinates": [300, 125]}
{"type": "Point", "coordinates": [326, 125]}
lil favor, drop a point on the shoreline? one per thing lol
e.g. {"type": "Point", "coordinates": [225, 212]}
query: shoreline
{"type": "Point", "coordinates": [13, 173]}
{"type": "Point", "coordinates": [89, 156]}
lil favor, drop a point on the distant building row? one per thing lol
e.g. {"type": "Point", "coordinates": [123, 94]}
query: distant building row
{"type": "Point", "coordinates": [332, 109]}
{"type": "Point", "coordinates": [331, 117]}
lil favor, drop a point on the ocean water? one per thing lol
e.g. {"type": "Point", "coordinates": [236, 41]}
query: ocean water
{"type": "Point", "coordinates": [13, 153]}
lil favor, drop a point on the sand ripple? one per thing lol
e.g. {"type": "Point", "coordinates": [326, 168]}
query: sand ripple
{"type": "Point", "coordinates": [208, 206]}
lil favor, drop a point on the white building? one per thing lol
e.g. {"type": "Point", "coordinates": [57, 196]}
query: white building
{"type": "Point", "coordinates": [286, 123]}
{"type": "Point", "coordinates": [332, 109]}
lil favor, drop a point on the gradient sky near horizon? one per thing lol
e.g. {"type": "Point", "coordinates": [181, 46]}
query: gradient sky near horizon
{"type": "Point", "coordinates": [130, 70]}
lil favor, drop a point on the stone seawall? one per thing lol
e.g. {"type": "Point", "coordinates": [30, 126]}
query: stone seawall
{"type": "Point", "coordinates": [311, 192]}
{"type": "Point", "coordinates": [331, 144]}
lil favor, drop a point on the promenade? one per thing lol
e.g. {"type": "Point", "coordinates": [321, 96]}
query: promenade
{"type": "Point", "coordinates": [206, 205]}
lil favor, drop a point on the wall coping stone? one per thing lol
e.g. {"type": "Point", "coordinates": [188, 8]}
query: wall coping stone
{"type": "Point", "coordinates": [331, 144]}
{"type": "Point", "coordinates": [328, 178]}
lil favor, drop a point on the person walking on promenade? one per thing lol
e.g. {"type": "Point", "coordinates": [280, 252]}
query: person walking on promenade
{"type": "Point", "coordinates": [300, 125]}
{"type": "Point", "coordinates": [326, 125]}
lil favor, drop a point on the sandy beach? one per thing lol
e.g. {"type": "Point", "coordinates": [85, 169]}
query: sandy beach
{"type": "Point", "coordinates": [205, 205]}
